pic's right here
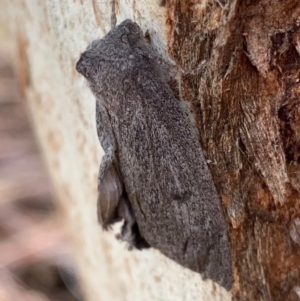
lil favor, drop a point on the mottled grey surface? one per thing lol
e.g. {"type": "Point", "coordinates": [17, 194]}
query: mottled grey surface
{"type": "Point", "coordinates": [153, 174]}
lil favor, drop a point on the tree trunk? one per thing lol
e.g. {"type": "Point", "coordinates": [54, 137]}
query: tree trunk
{"type": "Point", "coordinates": [244, 91]}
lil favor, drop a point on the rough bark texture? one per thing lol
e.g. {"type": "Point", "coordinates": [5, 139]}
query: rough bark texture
{"type": "Point", "coordinates": [245, 98]}
{"type": "Point", "coordinates": [246, 102]}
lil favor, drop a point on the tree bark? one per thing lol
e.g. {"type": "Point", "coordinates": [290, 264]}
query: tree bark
{"type": "Point", "coordinates": [244, 93]}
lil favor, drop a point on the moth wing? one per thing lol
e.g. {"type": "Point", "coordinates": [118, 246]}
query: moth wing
{"type": "Point", "coordinates": [110, 186]}
{"type": "Point", "coordinates": [109, 193]}
{"type": "Point", "coordinates": [171, 190]}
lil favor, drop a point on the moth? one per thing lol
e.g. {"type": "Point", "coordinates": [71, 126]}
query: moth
{"type": "Point", "coordinates": [153, 174]}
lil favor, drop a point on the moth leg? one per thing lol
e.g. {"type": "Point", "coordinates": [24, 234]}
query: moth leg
{"type": "Point", "coordinates": [126, 213]}
{"type": "Point", "coordinates": [130, 232]}
{"type": "Point", "coordinates": [139, 242]}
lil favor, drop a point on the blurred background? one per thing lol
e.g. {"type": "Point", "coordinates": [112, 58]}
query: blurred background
{"type": "Point", "coordinates": [35, 258]}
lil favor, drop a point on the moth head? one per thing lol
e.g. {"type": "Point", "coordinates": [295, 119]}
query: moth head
{"type": "Point", "coordinates": [127, 35]}
{"type": "Point", "coordinates": [117, 48]}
